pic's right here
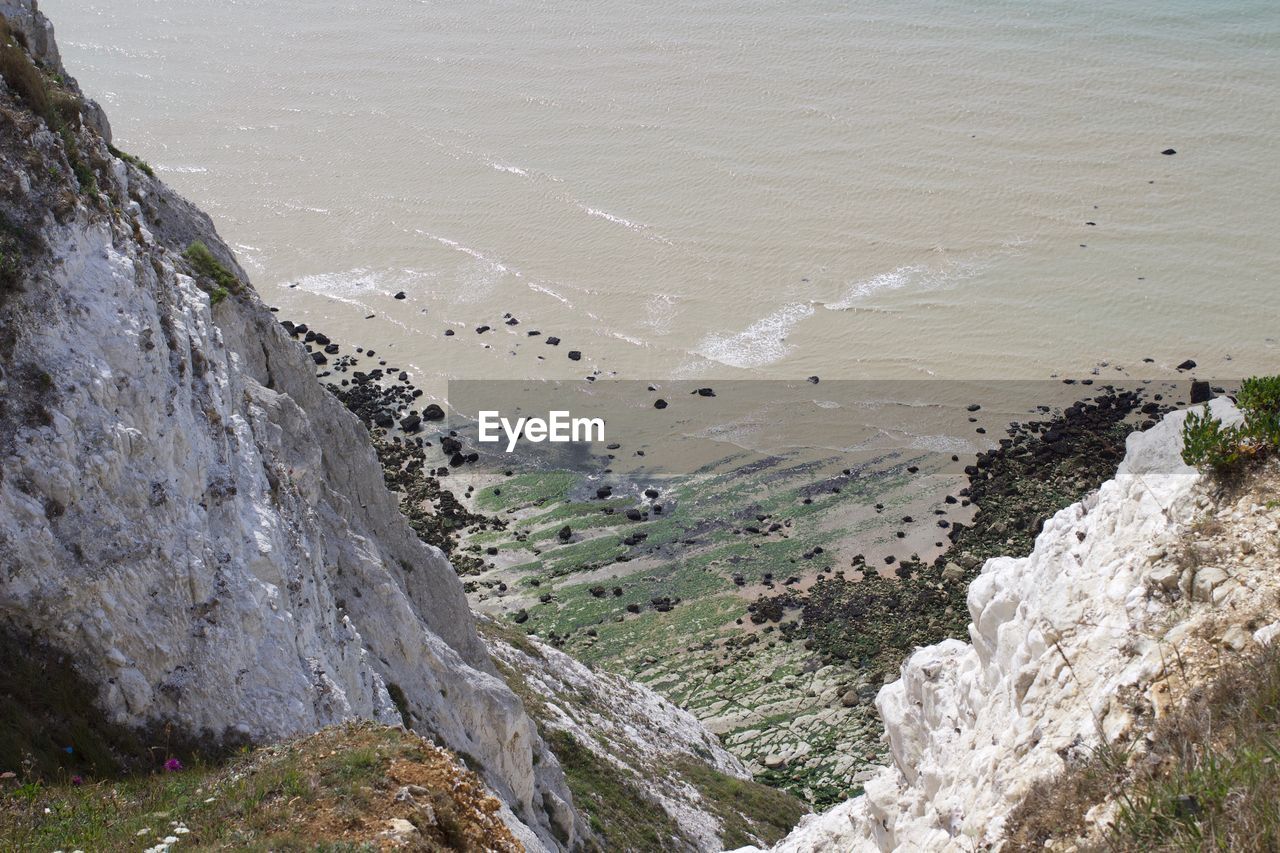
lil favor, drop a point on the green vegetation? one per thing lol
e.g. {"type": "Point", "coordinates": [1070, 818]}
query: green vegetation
{"type": "Point", "coordinates": [50, 727]}
{"type": "Point", "coordinates": [1226, 450]}
{"type": "Point", "coordinates": [137, 162]}
{"type": "Point", "coordinates": [334, 790]}
{"type": "Point", "coordinates": [214, 278]}
{"type": "Point", "coordinates": [1208, 781]}
{"type": "Point", "coordinates": [15, 250]}
{"type": "Point", "coordinates": [749, 812]}
{"type": "Point", "coordinates": [623, 816]}
{"type": "Point", "coordinates": [46, 96]}
{"type": "Point", "coordinates": [535, 488]}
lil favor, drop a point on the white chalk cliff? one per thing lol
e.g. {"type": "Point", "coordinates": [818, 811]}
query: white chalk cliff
{"type": "Point", "coordinates": [189, 515]}
{"type": "Point", "coordinates": [1068, 646]}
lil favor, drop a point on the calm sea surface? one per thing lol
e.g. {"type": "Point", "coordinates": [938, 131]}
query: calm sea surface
{"type": "Point", "coordinates": [858, 190]}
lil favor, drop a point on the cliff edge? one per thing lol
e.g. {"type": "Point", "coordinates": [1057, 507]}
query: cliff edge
{"type": "Point", "coordinates": [1092, 640]}
{"type": "Point", "coordinates": [184, 512]}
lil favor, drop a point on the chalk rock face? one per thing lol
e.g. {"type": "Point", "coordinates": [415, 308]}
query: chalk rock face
{"type": "Point", "coordinates": [1058, 640]}
{"type": "Point", "coordinates": [642, 736]}
{"type": "Point", "coordinates": [189, 515]}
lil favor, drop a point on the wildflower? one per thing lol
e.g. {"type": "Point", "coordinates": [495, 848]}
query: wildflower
{"type": "Point", "coordinates": [77, 780]}
{"type": "Point", "coordinates": [173, 765]}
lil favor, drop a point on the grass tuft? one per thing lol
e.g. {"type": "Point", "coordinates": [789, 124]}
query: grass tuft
{"type": "Point", "coordinates": [214, 278]}
{"type": "Point", "coordinates": [1209, 781]}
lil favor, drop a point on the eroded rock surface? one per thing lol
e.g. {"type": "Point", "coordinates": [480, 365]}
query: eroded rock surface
{"type": "Point", "coordinates": [187, 513]}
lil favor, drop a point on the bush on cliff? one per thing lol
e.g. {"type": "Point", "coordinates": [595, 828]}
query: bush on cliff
{"type": "Point", "coordinates": [1225, 450]}
{"type": "Point", "coordinates": [214, 278]}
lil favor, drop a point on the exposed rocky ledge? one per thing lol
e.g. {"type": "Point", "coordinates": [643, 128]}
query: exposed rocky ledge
{"type": "Point", "coordinates": [1070, 646]}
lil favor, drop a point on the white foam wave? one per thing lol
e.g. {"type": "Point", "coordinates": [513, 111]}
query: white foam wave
{"type": "Point", "coordinates": [514, 170]}
{"type": "Point", "coordinates": [626, 223]}
{"type": "Point", "coordinates": [925, 276]}
{"type": "Point", "coordinates": [660, 311]}
{"type": "Point", "coordinates": [761, 343]}
{"type": "Point", "coordinates": [630, 225]}
{"type": "Point", "coordinates": [538, 288]}
{"type": "Point", "coordinates": [629, 339]}
{"type": "Point", "coordinates": [181, 170]}
{"type": "Point", "coordinates": [353, 287]}
{"type": "Point", "coordinates": [894, 280]}
{"type": "Point", "coordinates": [495, 265]}
{"type": "Point", "coordinates": [302, 208]}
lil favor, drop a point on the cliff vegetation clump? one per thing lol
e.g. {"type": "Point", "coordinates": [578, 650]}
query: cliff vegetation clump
{"type": "Point", "coordinates": [350, 787]}
{"type": "Point", "coordinates": [1208, 443]}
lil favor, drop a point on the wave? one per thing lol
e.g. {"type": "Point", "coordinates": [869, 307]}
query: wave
{"type": "Point", "coordinates": [349, 287]}
{"type": "Point", "coordinates": [894, 280]}
{"type": "Point", "coordinates": [924, 276]}
{"type": "Point", "coordinates": [660, 311]}
{"type": "Point", "coordinates": [761, 343]}
{"type": "Point", "coordinates": [626, 223]}
{"type": "Point", "coordinates": [495, 265]}
{"type": "Point", "coordinates": [538, 288]}
{"type": "Point", "coordinates": [630, 225]}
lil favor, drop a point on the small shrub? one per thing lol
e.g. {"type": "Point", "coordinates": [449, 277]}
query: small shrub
{"type": "Point", "coordinates": [137, 162]}
{"type": "Point", "coordinates": [1207, 443]}
{"type": "Point", "coordinates": [21, 74]}
{"type": "Point", "coordinates": [11, 265]}
{"type": "Point", "coordinates": [1260, 394]}
{"type": "Point", "coordinates": [215, 279]}
{"type": "Point", "coordinates": [16, 245]}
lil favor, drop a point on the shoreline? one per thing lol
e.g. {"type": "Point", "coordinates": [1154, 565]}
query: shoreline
{"type": "Point", "coordinates": [691, 611]}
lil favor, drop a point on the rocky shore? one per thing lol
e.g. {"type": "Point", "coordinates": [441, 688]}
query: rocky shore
{"type": "Point", "coordinates": [827, 643]}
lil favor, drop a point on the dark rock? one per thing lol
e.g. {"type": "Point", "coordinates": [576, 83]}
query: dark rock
{"type": "Point", "coordinates": [659, 404]}
{"type": "Point", "coordinates": [433, 413]}
{"type": "Point", "coordinates": [1189, 364]}
{"type": "Point", "coordinates": [705, 392]}
{"type": "Point", "coordinates": [400, 295]}
{"type": "Point", "coordinates": [1168, 152]}
{"type": "Point", "coordinates": [552, 340]}
{"type": "Point", "coordinates": [412, 423]}
{"type": "Point", "coordinates": [813, 380]}
{"type": "Point", "coordinates": [565, 533]}
{"type": "Point", "coordinates": [575, 355]}
{"type": "Point", "coordinates": [1200, 392]}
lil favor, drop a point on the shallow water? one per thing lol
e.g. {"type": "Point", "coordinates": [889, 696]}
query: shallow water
{"type": "Point", "coordinates": [857, 190]}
